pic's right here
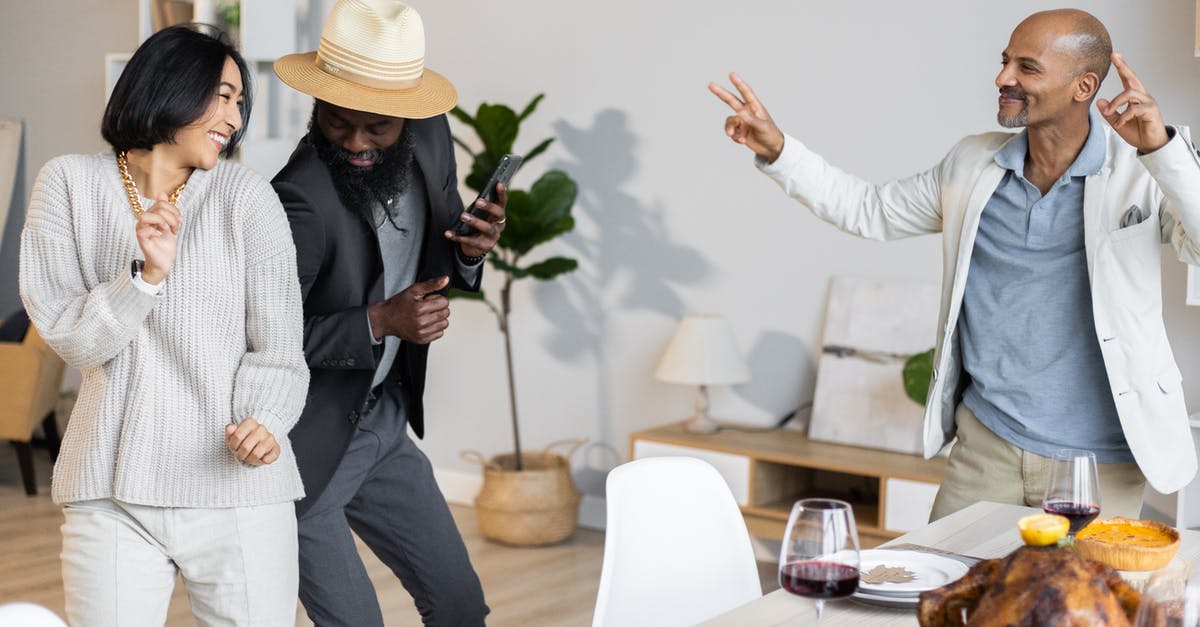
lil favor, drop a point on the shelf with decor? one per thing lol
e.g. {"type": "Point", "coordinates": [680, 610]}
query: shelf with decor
{"type": "Point", "coordinates": [263, 30]}
{"type": "Point", "coordinates": [768, 470]}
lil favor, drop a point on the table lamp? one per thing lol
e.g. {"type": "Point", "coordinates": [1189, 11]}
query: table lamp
{"type": "Point", "coordinates": [702, 352]}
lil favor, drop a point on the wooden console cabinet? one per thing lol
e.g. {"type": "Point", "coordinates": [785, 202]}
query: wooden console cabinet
{"type": "Point", "coordinates": [769, 470]}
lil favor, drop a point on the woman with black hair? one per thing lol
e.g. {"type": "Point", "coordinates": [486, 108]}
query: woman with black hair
{"type": "Point", "coordinates": [168, 277]}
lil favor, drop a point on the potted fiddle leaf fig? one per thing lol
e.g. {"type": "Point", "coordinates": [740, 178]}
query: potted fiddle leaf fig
{"type": "Point", "coordinates": [527, 498]}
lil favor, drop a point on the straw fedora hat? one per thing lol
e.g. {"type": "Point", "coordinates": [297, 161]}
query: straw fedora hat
{"type": "Point", "coordinates": [371, 58]}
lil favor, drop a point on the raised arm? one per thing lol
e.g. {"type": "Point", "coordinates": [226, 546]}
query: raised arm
{"type": "Point", "coordinates": [750, 124]}
{"type": "Point", "coordinates": [87, 325]}
{"type": "Point", "coordinates": [1168, 154]}
{"type": "Point", "coordinates": [1139, 122]}
{"type": "Point", "coordinates": [901, 208]}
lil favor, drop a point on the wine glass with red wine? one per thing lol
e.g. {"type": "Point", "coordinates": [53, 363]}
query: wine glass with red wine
{"type": "Point", "coordinates": [1073, 489]}
{"type": "Point", "coordinates": [819, 557]}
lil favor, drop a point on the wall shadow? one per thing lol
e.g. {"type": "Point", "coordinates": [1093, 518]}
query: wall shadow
{"type": "Point", "coordinates": [629, 254]}
{"type": "Point", "coordinates": [590, 466]}
{"type": "Point", "coordinates": [782, 376]}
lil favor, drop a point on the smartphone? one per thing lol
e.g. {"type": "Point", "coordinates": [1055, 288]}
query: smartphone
{"type": "Point", "coordinates": [503, 174]}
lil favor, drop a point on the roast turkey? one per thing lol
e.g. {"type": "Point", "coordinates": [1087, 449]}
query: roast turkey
{"type": "Point", "coordinates": [1032, 586]}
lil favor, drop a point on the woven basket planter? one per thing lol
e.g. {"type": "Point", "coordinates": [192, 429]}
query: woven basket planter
{"type": "Point", "coordinates": [534, 506]}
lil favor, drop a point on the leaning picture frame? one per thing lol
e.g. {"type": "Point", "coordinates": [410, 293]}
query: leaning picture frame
{"type": "Point", "coordinates": [872, 328]}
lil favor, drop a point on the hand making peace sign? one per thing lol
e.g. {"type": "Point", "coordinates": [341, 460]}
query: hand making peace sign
{"type": "Point", "coordinates": [750, 123]}
{"type": "Point", "coordinates": [1140, 124]}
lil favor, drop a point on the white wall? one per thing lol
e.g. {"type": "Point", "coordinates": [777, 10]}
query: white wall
{"type": "Point", "coordinates": [672, 217]}
{"type": "Point", "coordinates": [53, 78]}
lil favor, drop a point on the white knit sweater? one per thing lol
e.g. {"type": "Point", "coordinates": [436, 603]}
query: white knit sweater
{"type": "Point", "coordinates": [163, 375]}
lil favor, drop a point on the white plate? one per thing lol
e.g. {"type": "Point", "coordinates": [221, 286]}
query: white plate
{"type": "Point", "coordinates": [903, 603]}
{"type": "Point", "coordinates": [931, 571]}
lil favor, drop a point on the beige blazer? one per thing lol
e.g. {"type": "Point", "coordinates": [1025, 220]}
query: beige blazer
{"type": "Point", "coordinates": [1123, 266]}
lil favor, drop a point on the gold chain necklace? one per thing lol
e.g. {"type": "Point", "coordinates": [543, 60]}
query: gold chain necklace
{"type": "Point", "coordinates": [131, 189]}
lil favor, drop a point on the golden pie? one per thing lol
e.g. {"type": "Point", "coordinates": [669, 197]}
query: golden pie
{"type": "Point", "coordinates": [1127, 544]}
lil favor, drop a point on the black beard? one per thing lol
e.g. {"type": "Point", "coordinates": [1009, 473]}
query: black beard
{"type": "Point", "coordinates": [361, 189]}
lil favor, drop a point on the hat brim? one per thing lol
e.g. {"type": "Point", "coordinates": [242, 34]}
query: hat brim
{"type": "Point", "coordinates": [435, 94]}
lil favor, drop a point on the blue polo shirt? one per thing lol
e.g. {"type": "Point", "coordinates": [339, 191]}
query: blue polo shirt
{"type": "Point", "coordinates": [1028, 340]}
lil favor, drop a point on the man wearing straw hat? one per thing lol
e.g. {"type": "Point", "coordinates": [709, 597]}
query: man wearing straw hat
{"type": "Point", "coordinates": [371, 193]}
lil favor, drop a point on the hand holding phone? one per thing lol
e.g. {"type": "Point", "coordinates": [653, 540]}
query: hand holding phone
{"type": "Point", "coordinates": [503, 174]}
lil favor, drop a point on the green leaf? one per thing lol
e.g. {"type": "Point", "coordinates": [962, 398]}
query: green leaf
{"type": "Point", "coordinates": [464, 294]}
{"type": "Point", "coordinates": [463, 116]}
{"type": "Point", "coordinates": [497, 126]}
{"type": "Point", "coordinates": [538, 149]}
{"type": "Point", "coordinates": [463, 145]}
{"type": "Point", "coordinates": [481, 171]}
{"type": "Point", "coordinates": [552, 267]}
{"type": "Point", "coordinates": [918, 370]}
{"type": "Point", "coordinates": [541, 214]}
{"type": "Point", "coordinates": [553, 195]}
{"type": "Point", "coordinates": [529, 108]}
{"type": "Point", "coordinates": [503, 266]}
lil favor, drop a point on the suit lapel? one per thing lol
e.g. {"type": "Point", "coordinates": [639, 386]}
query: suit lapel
{"type": "Point", "coordinates": [436, 255]}
{"type": "Point", "coordinates": [1093, 209]}
{"type": "Point", "coordinates": [427, 159]}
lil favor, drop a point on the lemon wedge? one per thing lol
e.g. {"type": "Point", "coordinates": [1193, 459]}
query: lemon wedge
{"type": "Point", "coordinates": [1043, 529]}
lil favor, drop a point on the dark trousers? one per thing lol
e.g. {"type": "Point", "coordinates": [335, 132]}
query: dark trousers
{"type": "Point", "coordinates": [385, 492]}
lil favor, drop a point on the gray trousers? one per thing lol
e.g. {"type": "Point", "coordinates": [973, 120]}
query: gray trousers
{"type": "Point", "coordinates": [384, 490]}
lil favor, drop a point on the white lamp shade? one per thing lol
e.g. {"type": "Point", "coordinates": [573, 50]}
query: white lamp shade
{"type": "Point", "coordinates": [703, 352]}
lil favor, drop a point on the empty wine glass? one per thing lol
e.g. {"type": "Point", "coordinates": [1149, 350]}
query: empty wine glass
{"type": "Point", "coordinates": [819, 557]}
{"type": "Point", "coordinates": [1169, 600]}
{"type": "Point", "coordinates": [1073, 488]}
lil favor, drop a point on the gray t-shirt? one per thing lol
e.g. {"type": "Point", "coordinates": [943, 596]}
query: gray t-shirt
{"type": "Point", "coordinates": [400, 240]}
{"type": "Point", "coordinates": [400, 248]}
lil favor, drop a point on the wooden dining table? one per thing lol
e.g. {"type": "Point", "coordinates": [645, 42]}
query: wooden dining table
{"type": "Point", "coordinates": [984, 530]}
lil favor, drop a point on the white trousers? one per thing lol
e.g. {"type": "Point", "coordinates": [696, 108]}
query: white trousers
{"type": "Point", "coordinates": [120, 561]}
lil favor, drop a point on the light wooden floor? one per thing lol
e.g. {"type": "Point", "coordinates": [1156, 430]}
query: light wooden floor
{"type": "Point", "coordinates": [528, 587]}
{"type": "Point", "coordinates": [548, 586]}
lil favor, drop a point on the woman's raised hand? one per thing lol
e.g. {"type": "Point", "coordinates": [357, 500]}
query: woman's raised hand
{"type": "Point", "coordinates": [157, 229]}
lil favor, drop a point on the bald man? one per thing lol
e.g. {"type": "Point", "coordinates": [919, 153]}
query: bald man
{"type": "Point", "coordinates": [1050, 334]}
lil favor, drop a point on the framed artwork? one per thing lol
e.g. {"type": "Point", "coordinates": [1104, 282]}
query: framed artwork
{"type": "Point", "coordinates": [872, 327]}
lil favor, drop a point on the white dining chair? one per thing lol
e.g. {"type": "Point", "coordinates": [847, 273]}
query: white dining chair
{"type": "Point", "coordinates": [676, 549]}
{"type": "Point", "coordinates": [28, 615]}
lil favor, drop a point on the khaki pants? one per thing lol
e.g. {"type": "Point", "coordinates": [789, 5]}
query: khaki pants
{"type": "Point", "coordinates": [985, 467]}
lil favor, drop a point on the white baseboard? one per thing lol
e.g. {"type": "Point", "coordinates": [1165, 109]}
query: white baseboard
{"type": "Point", "coordinates": [460, 488]}
{"type": "Point", "coordinates": [457, 486]}
{"type": "Point", "coordinates": [593, 512]}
